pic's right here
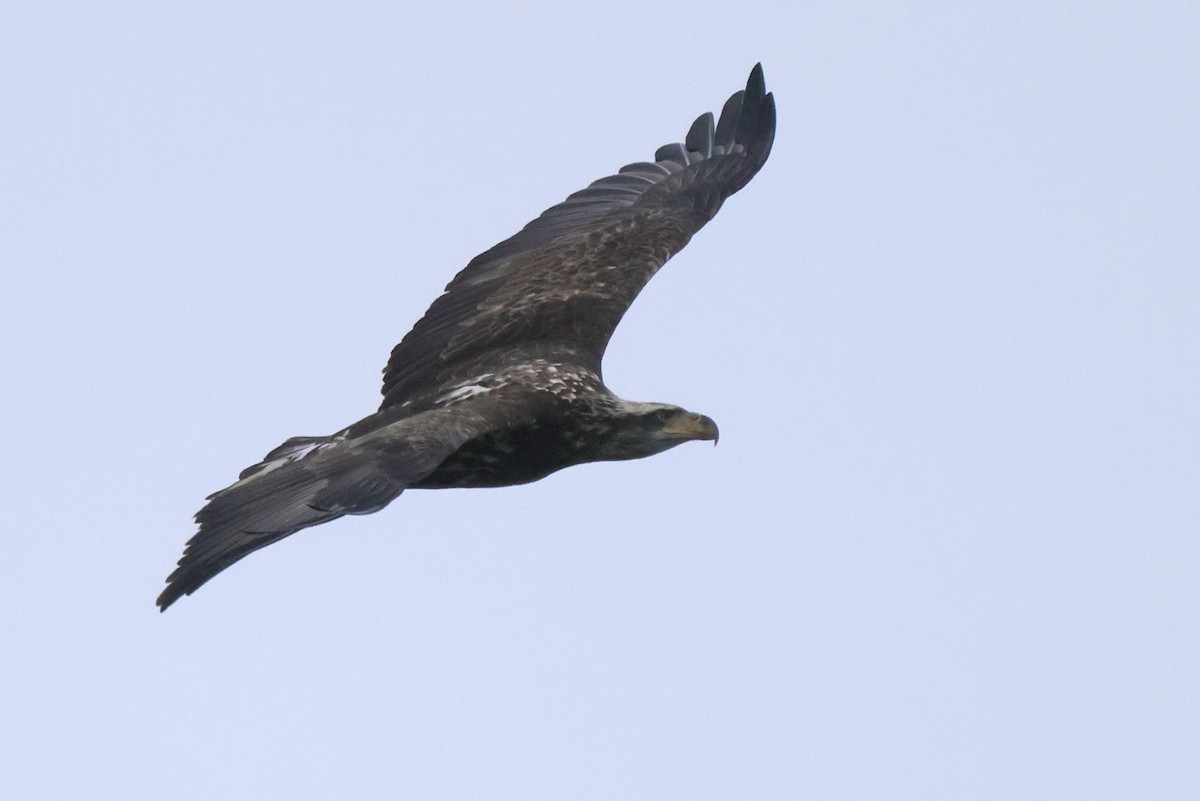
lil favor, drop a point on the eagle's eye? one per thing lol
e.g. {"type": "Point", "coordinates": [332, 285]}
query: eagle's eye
{"type": "Point", "coordinates": [664, 415]}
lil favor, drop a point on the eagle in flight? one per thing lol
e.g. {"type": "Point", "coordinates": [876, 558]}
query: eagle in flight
{"type": "Point", "coordinates": [499, 383]}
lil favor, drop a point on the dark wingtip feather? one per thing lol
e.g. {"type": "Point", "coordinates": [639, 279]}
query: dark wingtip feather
{"type": "Point", "coordinates": [766, 124]}
{"type": "Point", "coordinates": [752, 103]}
{"type": "Point", "coordinates": [213, 549]}
{"type": "Point", "coordinates": [757, 82]}
{"type": "Point", "coordinates": [699, 137]}
{"type": "Point", "coordinates": [727, 124]}
{"type": "Point", "coordinates": [170, 595]}
{"type": "Point", "coordinates": [741, 113]}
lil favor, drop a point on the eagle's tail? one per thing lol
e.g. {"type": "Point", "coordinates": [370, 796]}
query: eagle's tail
{"type": "Point", "coordinates": [303, 482]}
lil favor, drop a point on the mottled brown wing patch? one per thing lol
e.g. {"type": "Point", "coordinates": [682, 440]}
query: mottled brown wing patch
{"type": "Point", "coordinates": [574, 295]}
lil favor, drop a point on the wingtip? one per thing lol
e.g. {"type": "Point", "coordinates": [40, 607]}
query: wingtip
{"type": "Point", "coordinates": [167, 597]}
{"type": "Point", "coordinates": [756, 84]}
{"type": "Point", "coordinates": [177, 587]}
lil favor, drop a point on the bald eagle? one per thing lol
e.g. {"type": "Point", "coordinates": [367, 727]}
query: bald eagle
{"type": "Point", "coordinates": [499, 383]}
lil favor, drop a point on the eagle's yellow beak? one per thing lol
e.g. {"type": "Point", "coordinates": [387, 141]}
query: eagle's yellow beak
{"type": "Point", "coordinates": [692, 426]}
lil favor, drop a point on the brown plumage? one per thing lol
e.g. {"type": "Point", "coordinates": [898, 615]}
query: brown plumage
{"type": "Point", "coordinates": [499, 383]}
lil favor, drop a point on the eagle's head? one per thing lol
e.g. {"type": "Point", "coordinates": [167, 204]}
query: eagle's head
{"type": "Point", "coordinates": [644, 429]}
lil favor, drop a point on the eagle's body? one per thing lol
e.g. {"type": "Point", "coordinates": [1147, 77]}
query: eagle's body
{"type": "Point", "coordinates": [500, 382]}
{"type": "Point", "coordinates": [572, 428]}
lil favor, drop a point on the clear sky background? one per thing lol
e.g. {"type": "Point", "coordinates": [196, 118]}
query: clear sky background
{"type": "Point", "coordinates": [948, 545]}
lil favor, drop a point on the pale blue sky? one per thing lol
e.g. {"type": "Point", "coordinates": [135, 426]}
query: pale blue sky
{"type": "Point", "coordinates": [946, 549]}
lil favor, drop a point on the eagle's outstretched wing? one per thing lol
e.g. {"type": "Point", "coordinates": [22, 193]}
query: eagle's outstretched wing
{"type": "Point", "coordinates": [563, 282]}
{"type": "Point", "coordinates": [312, 480]}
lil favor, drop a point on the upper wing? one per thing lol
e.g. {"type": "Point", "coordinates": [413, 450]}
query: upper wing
{"type": "Point", "coordinates": [564, 281]}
